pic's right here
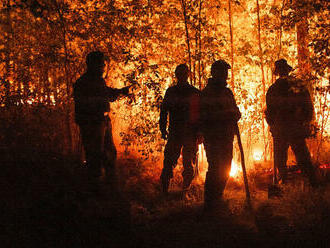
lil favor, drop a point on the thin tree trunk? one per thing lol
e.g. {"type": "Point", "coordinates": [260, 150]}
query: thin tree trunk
{"type": "Point", "coordinates": [7, 53]}
{"type": "Point", "coordinates": [230, 18]}
{"type": "Point", "coordinates": [195, 60]}
{"type": "Point", "coordinates": [67, 77]}
{"type": "Point", "coordinates": [325, 115]}
{"type": "Point", "coordinates": [184, 9]}
{"type": "Point", "coordinates": [262, 77]}
{"type": "Point", "coordinates": [302, 39]}
{"type": "Point", "coordinates": [55, 87]}
{"type": "Point", "coordinates": [302, 47]}
{"type": "Point", "coordinates": [304, 65]}
{"type": "Point", "coordinates": [200, 44]}
{"type": "Point", "coordinates": [261, 52]}
{"type": "Point", "coordinates": [280, 31]}
{"type": "Point", "coordinates": [279, 36]}
{"type": "Point", "coordinates": [48, 88]}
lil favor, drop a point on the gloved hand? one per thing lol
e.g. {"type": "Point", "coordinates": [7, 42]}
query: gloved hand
{"type": "Point", "coordinates": [125, 90]}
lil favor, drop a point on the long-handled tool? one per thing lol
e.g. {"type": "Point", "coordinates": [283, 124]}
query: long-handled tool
{"type": "Point", "coordinates": [247, 191]}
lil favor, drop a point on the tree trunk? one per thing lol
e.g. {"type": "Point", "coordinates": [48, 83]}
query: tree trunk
{"type": "Point", "coordinates": [8, 36]}
{"type": "Point", "coordinates": [280, 31]}
{"type": "Point", "coordinates": [231, 44]}
{"type": "Point", "coordinates": [200, 45]}
{"type": "Point", "coordinates": [184, 9]}
{"type": "Point", "coordinates": [45, 85]}
{"type": "Point", "coordinates": [279, 36]}
{"type": "Point", "coordinates": [261, 52]}
{"type": "Point", "coordinates": [67, 77]}
{"type": "Point", "coordinates": [194, 71]}
{"type": "Point", "coordinates": [263, 100]}
{"type": "Point", "coordinates": [302, 47]}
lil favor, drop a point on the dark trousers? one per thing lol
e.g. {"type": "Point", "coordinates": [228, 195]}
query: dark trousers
{"type": "Point", "coordinates": [301, 152]}
{"type": "Point", "coordinates": [176, 142]}
{"type": "Point", "coordinates": [99, 147]}
{"type": "Point", "coordinates": [219, 153]}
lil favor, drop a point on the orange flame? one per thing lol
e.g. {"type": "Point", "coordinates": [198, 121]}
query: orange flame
{"type": "Point", "coordinates": [258, 155]}
{"type": "Point", "coordinates": [236, 170]}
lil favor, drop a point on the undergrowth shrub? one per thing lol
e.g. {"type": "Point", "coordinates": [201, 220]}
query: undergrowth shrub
{"type": "Point", "coordinates": [40, 127]}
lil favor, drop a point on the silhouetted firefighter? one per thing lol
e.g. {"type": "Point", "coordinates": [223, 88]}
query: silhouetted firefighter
{"type": "Point", "coordinates": [219, 116]}
{"type": "Point", "coordinates": [181, 103]}
{"type": "Point", "coordinates": [289, 113]}
{"type": "Point", "coordinates": [92, 97]}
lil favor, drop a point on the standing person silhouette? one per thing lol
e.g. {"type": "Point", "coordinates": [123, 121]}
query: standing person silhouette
{"type": "Point", "coordinates": [92, 97]}
{"type": "Point", "coordinates": [181, 103]}
{"type": "Point", "coordinates": [289, 113]}
{"type": "Point", "coordinates": [219, 116]}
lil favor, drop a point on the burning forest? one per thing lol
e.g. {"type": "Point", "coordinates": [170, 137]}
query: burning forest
{"type": "Point", "coordinates": [89, 83]}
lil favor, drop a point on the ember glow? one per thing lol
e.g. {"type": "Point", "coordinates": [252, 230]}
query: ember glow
{"type": "Point", "coordinates": [202, 163]}
{"type": "Point", "coordinates": [257, 155]}
{"type": "Point", "coordinates": [324, 166]}
{"type": "Point", "coordinates": [236, 170]}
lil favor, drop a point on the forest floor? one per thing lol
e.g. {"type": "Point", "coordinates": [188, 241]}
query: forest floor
{"type": "Point", "coordinates": [45, 202]}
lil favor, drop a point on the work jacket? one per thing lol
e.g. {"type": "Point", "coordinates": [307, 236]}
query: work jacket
{"type": "Point", "coordinates": [181, 102]}
{"type": "Point", "coordinates": [219, 111]}
{"type": "Point", "coordinates": [92, 97]}
{"type": "Point", "coordinates": [289, 107]}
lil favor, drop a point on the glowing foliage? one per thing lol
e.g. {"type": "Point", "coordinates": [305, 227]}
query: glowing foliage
{"type": "Point", "coordinates": [44, 43]}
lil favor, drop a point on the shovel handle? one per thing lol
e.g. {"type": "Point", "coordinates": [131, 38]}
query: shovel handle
{"type": "Point", "coordinates": [246, 184]}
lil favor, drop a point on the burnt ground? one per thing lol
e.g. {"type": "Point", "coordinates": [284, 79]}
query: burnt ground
{"type": "Point", "coordinates": [46, 202]}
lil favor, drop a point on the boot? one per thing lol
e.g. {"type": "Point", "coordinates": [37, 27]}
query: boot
{"type": "Point", "coordinates": [165, 185]}
{"type": "Point", "coordinates": [209, 193]}
{"type": "Point", "coordinates": [186, 183]}
{"type": "Point", "coordinates": [165, 178]}
{"type": "Point", "coordinates": [188, 176]}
